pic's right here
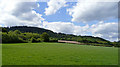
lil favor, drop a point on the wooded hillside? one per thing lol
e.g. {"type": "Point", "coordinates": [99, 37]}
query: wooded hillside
{"type": "Point", "coordinates": [27, 33]}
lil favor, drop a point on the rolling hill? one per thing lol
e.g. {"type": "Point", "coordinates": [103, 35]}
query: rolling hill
{"type": "Point", "coordinates": [62, 36]}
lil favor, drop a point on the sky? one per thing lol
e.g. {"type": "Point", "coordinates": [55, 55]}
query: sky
{"type": "Point", "coordinates": [98, 18]}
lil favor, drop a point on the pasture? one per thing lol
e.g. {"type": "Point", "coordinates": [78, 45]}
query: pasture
{"type": "Point", "coordinates": [57, 54]}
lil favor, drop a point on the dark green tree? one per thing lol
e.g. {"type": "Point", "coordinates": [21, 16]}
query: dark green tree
{"type": "Point", "coordinates": [4, 30]}
{"type": "Point", "coordinates": [33, 40]}
{"type": "Point", "coordinates": [17, 32]}
{"type": "Point", "coordinates": [45, 37]}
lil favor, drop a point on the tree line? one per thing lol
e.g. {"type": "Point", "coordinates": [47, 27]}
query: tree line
{"type": "Point", "coordinates": [16, 36]}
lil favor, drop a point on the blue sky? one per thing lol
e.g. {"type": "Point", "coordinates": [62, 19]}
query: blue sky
{"type": "Point", "coordinates": [60, 15]}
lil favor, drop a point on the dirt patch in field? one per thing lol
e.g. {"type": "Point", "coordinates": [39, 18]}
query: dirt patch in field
{"type": "Point", "coordinates": [74, 42]}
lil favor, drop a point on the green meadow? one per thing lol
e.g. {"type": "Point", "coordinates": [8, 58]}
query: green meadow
{"type": "Point", "coordinates": [57, 54]}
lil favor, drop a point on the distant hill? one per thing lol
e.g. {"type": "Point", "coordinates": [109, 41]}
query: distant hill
{"type": "Point", "coordinates": [24, 29]}
{"type": "Point", "coordinates": [62, 36]}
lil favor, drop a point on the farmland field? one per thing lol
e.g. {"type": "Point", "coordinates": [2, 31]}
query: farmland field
{"type": "Point", "coordinates": [58, 54]}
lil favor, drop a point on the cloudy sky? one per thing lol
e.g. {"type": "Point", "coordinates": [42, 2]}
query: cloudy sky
{"type": "Point", "coordinates": [83, 17]}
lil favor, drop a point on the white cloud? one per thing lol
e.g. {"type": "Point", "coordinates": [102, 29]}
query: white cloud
{"type": "Point", "coordinates": [108, 31]}
{"type": "Point", "coordinates": [54, 6]}
{"type": "Point", "coordinates": [38, 5]}
{"type": "Point", "coordinates": [19, 13]}
{"type": "Point", "coordinates": [66, 27]}
{"type": "Point", "coordinates": [85, 11]}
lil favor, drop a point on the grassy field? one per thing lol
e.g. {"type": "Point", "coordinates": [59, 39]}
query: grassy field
{"type": "Point", "coordinates": [58, 54]}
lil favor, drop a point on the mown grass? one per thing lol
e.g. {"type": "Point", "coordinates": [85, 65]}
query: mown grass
{"type": "Point", "coordinates": [58, 54]}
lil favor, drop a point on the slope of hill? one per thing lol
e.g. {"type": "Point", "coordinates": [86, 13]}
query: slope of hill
{"type": "Point", "coordinates": [58, 36]}
{"type": "Point", "coordinates": [24, 29]}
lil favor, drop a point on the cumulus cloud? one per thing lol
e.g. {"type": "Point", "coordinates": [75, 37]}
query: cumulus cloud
{"type": "Point", "coordinates": [85, 11]}
{"type": "Point", "coordinates": [66, 27]}
{"type": "Point", "coordinates": [54, 6]}
{"type": "Point", "coordinates": [108, 31]}
{"type": "Point", "coordinates": [19, 13]}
